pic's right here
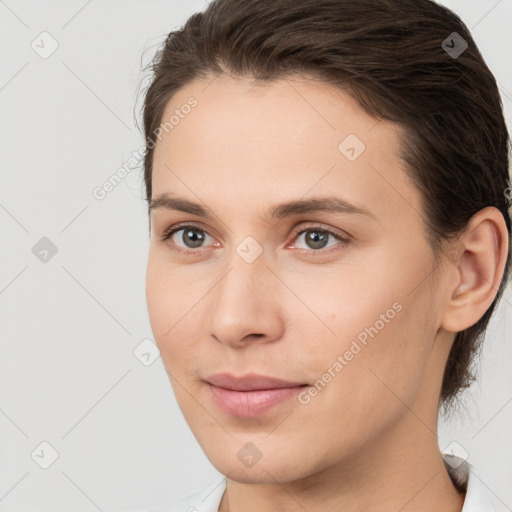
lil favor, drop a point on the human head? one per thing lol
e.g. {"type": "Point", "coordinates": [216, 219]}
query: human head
{"type": "Point", "coordinates": [455, 139]}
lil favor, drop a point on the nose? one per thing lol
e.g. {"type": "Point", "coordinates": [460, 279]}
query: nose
{"type": "Point", "coordinates": [245, 306]}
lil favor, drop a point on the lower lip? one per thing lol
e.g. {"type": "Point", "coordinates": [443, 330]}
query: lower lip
{"type": "Point", "coordinates": [249, 404]}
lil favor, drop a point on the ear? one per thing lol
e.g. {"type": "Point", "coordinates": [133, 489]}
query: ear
{"type": "Point", "coordinates": [478, 264]}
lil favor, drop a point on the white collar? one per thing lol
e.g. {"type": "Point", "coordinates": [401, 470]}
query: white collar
{"type": "Point", "coordinates": [462, 473]}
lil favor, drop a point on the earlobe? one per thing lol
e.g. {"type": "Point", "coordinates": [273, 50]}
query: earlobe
{"type": "Point", "coordinates": [483, 249]}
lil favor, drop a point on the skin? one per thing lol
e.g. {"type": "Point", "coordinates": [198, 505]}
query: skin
{"type": "Point", "coordinates": [368, 439]}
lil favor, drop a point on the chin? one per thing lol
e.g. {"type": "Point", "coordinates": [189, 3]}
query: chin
{"type": "Point", "coordinates": [262, 472]}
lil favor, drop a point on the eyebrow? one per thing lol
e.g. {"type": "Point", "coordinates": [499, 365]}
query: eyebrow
{"type": "Point", "coordinates": [325, 204]}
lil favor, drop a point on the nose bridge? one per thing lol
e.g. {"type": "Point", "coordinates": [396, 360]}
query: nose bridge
{"type": "Point", "coordinates": [243, 288]}
{"type": "Point", "coordinates": [242, 302]}
{"type": "Point", "coordinates": [248, 272]}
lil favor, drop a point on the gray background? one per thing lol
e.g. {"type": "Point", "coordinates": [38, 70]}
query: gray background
{"type": "Point", "coordinates": [70, 324]}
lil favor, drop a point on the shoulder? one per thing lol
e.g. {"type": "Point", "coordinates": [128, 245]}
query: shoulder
{"type": "Point", "coordinates": [205, 500]}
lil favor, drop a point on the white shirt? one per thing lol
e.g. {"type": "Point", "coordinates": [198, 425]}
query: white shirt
{"type": "Point", "coordinates": [462, 472]}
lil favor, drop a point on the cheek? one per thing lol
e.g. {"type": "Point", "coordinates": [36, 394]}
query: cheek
{"type": "Point", "coordinates": [347, 303]}
{"type": "Point", "coordinates": [165, 297]}
{"type": "Point", "coordinates": [378, 339]}
{"type": "Point", "coordinates": [157, 297]}
{"type": "Point", "coordinates": [173, 303]}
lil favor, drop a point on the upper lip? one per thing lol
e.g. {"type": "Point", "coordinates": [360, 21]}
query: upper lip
{"type": "Point", "coordinates": [249, 382]}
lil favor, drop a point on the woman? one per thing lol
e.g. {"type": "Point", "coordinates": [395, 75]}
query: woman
{"type": "Point", "coordinates": [326, 182]}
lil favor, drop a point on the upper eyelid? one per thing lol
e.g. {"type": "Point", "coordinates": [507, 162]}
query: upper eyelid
{"type": "Point", "coordinates": [178, 227]}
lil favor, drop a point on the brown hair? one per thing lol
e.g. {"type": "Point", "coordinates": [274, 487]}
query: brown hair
{"type": "Point", "coordinates": [394, 58]}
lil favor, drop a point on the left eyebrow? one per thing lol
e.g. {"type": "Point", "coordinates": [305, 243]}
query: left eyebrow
{"type": "Point", "coordinates": [327, 204]}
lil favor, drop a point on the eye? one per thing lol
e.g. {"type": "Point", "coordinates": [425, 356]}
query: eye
{"type": "Point", "coordinates": [186, 237]}
{"type": "Point", "coordinates": [317, 238]}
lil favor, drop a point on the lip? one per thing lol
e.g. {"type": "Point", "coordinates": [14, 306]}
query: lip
{"type": "Point", "coordinates": [249, 382]}
{"type": "Point", "coordinates": [250, 395]}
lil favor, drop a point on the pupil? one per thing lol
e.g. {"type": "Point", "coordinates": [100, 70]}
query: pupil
{"type": "Point", "coordinates": [318, 240]}
{"type": "Point", "coordinates": [192, 239]}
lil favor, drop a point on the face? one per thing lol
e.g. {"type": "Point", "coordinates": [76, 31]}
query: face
{"type": "Point", "coordinates": [336, 302]}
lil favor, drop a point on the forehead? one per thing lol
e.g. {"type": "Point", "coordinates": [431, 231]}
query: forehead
{"type": "Point", "coordinates": [286, 115]}
{"type": "Point", "coordinates": [291, 136]}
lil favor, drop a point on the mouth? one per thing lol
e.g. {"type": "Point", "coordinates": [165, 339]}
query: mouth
{"type": "Point", "coordinates": [250, 395]}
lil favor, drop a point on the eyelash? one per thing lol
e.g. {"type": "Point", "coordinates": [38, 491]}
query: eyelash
{"type": "Point", "coordinates": [173, 229]}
